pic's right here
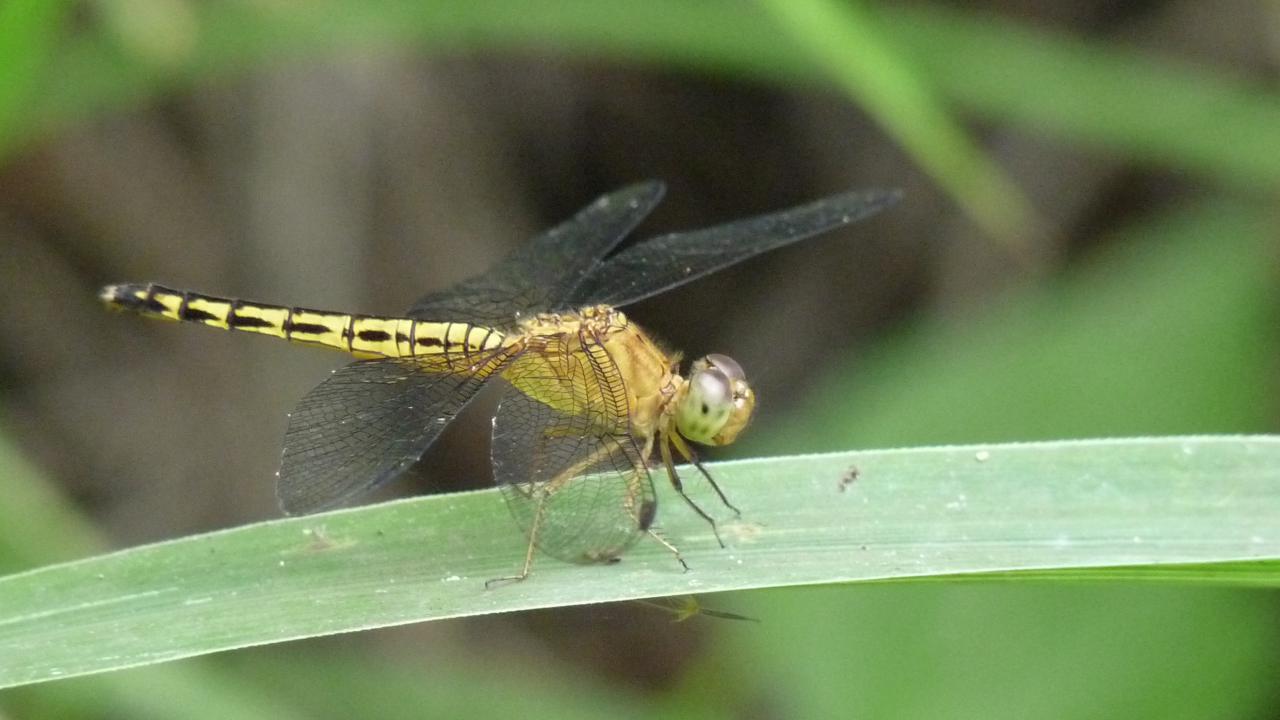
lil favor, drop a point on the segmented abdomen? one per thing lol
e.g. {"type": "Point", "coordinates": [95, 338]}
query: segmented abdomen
{"type": "Point", "coordinates": [362, 335]}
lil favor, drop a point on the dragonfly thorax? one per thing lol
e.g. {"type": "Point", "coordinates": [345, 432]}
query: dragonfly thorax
{"type": "Point", "coordinates": [598, 320]}
{"type": "Point", "coordinates": [715, 403]}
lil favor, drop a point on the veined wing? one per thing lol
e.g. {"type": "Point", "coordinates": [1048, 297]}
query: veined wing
{"type": "Point", "coordinates": [659, 264]}
{"type": "Point", "coordinates": [370, 420]}
{"type": "Point", "coordinates": [543, 274]}
{"type": "Point", "coordinates": [573, 475]}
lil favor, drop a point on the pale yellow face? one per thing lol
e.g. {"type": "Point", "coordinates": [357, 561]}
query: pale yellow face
{"type": "Point", "coordinates": [717, 403]}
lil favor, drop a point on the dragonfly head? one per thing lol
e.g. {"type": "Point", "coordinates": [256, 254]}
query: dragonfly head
{"type": "Point", "coordinates": [717, 402]}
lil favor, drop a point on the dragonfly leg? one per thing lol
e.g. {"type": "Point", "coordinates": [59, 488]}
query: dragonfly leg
{"type": "Point", "coordinates": [688, 454]}
{"type": "Point", "coordinates": [674, 550]}
{"type": "Point", "coordinates": [528, 555]}
{"type": "Point", "coordinates": [679, 486]}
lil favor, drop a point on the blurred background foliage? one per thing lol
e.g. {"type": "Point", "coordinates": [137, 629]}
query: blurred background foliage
{"type": "Point", "coordinates": [1087, 248]}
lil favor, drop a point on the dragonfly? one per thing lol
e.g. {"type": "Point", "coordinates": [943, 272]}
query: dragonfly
{"type": "Point", "coordinates": [589, 402]}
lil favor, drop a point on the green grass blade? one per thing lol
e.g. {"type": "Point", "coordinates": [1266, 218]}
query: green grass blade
{"type": "Point", "coordinates": [910, 513]}
{"type": "Point", "coordinates": [38, 525]}
{"type": "Point", "coordinates": [1264, 573]}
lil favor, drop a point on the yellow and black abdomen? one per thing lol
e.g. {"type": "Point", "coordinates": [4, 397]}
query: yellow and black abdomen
{"type": "Point", "coordinates": [362, 335]}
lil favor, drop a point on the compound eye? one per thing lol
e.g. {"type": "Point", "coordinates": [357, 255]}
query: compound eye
{"type": "Point", "coordinates": [715, 390]}
{"type": "Point", "coordinates": [707, 405]}
{"type": "Point", "coordinates": [727, 365]}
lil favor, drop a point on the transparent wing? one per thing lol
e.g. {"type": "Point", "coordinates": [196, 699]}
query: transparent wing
{"type": "Point", "coordinates": [563, 454]}
{"type": "Point", "coordinates": [659, 264]}
{"type": "Point", "coordinates": [542, 275]}
{"type": "Point", "coordinates": [369, 421]}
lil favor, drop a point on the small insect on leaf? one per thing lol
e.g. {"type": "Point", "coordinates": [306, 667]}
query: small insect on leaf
{"type": "Point", "coordinates": [850, 476]}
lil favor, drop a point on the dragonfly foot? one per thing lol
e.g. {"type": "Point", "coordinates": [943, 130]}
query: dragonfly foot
{"type": "Point", "coordinates": [491, 584]}
{"type": "Point", "coordinates": [674, 550]}
{"type": "Point", "coordinates": [715, 530]}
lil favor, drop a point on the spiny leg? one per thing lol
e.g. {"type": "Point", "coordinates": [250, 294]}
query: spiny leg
{"type": "Point", "coordinates": [665, 449]}
{"type": "Point", "coordinates": [528, 555]}
{"type": "Point", "coordinates": [674, 550]}
{"type": "Point", "coordinates": [545, 490]}
{"type": "Point", "coordinates": [688, 454]}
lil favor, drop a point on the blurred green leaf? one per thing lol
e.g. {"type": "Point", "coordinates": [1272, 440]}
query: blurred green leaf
{"type": "Point", "coordinates": [1145, 107]}
{"type": "Point", "coordinates": [850, 45]}
{"type": "Point", "coordinates": [1003, 652]}
{"type": "Point", "coordinates": [333, 683]}
{"type": "Point", "coordinates": [346, 685]}
{"type": "Point", "coordinates": [28, 33]}
{"type": "Point", "coordinates": [37, 525]}
{"type": "Point", "coordinates": [192, 691]}
{"type": "Point", "coordinates": [908, 513]}
{"type": "Point", "coordinates": [1127, 101]}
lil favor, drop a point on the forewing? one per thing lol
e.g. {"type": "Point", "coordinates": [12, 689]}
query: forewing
{"type": "Point", "coordinates": [573, 475]}
{"type": "Point", "coordinates": [543, 274]}
{"type": "Point", "coordinates": [659, 264]}
{"type": "Point", "coordinates": [369, 421]}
